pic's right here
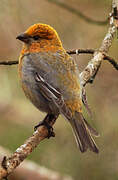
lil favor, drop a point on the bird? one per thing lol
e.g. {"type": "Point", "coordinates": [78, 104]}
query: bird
{"type": "Point", "coordinates": [50, 79]}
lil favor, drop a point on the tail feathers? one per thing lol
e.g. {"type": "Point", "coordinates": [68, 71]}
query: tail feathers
{"type": "Point", "coordinates": [91, 129]}
{"type": "Point", "coordinates": [82, 134]}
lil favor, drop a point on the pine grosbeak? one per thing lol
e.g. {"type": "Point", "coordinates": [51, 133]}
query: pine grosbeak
{"type": "Point", "coordinates": [50, 79]}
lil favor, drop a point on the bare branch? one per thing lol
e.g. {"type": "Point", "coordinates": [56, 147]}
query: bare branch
{"type": "Point", "coordinates": [31, 170]}
{"type": "Point", "coordinates": [112, 61]}
{"type": "Point", "coordinates": [8, 62]}
{"type": "Point", "coordinates": [10, 163]}
{"type": "Point", "coordinates": [81, 51]}
{"type": "Point", "coordinates": [78, 13]}
{"type": "Point", "coordinates": [93, 66]}
{"type": "Point", "coordinates": [92, 51]}
{"type": "Point", "coordinates": [72, 52]}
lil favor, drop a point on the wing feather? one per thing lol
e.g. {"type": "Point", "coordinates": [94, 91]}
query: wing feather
{"type": "Point", "coordinates": [54, 95]}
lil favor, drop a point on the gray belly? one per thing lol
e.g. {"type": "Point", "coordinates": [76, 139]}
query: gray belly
{"type": "Point", "coordinates": [33, 93]}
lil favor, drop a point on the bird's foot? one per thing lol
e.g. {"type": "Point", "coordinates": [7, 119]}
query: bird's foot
{"type": "Point", "coordinates": [50, 128]}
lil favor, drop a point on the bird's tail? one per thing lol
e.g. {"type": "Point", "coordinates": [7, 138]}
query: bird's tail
{"type": "Point", "coordinates": [82, 131]}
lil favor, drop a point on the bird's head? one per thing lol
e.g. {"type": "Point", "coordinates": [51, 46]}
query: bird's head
{"type": "Point", "coordinates": [40, 37]}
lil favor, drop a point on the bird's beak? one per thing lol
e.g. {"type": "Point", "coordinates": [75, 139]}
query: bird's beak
{"type": "Point", "coordinates": [23, 37]}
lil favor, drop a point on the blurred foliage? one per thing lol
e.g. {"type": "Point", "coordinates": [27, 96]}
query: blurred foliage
{"type": "Point", "coordinates": [18, 115]}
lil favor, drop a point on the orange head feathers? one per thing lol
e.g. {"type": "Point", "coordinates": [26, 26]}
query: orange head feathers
{"type": "Point", "coordinates": [40, 37]}
{"type": "Point", "coordinates": [42, 30]}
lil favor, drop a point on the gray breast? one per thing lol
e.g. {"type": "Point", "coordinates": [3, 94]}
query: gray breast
{"type": "Point", "coordinates": [31, 88]}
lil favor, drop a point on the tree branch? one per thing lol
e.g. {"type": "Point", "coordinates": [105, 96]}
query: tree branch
{"type": "Point", "coordinates": [72, 52]}
{"type": "Point", "coordinates": [78, 13]}
{"type": "Point", "coordinates": [92, 51]}
{"type": "Point", "coordinates": [31, 170]}
{"type": "Point", "coordinates": [80, 51]}
{"type": "Point", "coordinates": [93, 66]}
{"type": "Point", "coordinates": [10, 163]}
{"type": "Point", "coordinates": [8, 62]}
{"type": "Point", "coordinates": [112, 61]}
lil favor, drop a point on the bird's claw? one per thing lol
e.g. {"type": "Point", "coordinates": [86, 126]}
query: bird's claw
{"type": "Point", "coordinates": [50, 128]}
{"type": "Point", "coordinates": [50, 132]}
{"type": "Point", "coordinates": [4, 166]}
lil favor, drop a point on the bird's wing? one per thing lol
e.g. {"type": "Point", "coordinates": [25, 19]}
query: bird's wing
{"type": "Point", "coordinates": [54, 95]}
{"type": "Point", "coordinates": [59, 70]}
{"type": "Point", "coordinates": [53, 80]}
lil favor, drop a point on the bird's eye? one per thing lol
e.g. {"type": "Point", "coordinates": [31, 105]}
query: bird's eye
{"type": "Point", "coordinates": [36, 37]}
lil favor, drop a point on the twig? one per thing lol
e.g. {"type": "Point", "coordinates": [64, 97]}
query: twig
{"type": "Point", "coordinates": [72, 52]}
{"type": "Point", "coordinates": [8, 62]}
{"type": "Point", "coordinates": [81, 51]}
{"type": "Point", "coordinates": [78, 13]}
{"type": "Point", "coordinates": [112, 61]}
{"type": "Point", "coordinates": [92, 51]}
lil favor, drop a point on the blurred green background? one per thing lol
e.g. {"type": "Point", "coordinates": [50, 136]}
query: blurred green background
{"type": "Point", "coordinates": [18, 116]}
